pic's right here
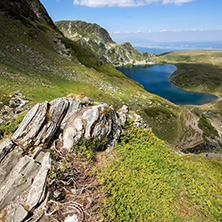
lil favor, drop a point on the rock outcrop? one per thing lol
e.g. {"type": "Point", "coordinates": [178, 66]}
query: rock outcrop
{"type": "Point", "coordinates": [25, 158]}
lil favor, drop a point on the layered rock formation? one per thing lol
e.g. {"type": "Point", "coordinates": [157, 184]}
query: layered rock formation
{"type": "Point", "coordinates": [25, 157]}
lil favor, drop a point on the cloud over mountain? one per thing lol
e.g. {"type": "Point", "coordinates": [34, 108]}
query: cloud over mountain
{"type": "Point", "coordinates": [126, 3]}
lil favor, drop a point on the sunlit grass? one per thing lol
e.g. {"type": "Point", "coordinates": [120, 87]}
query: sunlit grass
{"type": "Point", "coordinates": [149, 182]}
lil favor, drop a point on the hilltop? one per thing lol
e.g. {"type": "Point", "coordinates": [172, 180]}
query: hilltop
{"type": "Point", "coordinates": [98, 40]}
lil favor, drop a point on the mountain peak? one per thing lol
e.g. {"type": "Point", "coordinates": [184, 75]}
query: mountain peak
{"type": "Point", "coordinates": [98, 40]}
{"type": "Point", "coordinates": [26, 9]}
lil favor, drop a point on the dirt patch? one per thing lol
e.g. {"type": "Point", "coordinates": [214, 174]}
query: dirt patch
{"type": "Point", "coordinates": [215, 155]}
{"type": "Point", "coordinates": [193, 135]}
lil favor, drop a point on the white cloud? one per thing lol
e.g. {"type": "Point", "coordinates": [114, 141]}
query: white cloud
{"type": "Point", "coordinates": [161, 31]}
{"type": "Point", "coordinates": [177, 2]}
{"type": "Point", "coordinates": [126, 3]}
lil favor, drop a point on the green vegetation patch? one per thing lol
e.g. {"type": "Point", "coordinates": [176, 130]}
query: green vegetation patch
{"type": "Point", "coordinates": [10, 126]}
{"type": "Point", "coordinates": [206, 126]}
{"type": "Point", "coordinates": [149, 182]}
{"type": "Point", "coordinates": [88, 147]}
{"type": "Point", "coordinates": [157, 110]}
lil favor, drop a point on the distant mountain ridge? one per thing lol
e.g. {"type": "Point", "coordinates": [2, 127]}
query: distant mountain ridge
{"type": "Point", "coordinates": [98, 40]}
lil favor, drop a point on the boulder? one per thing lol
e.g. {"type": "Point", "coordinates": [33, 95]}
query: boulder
{"type": "Point", "coordinates": [90, 120]}
{"type": "Point", "coordinates": [90, 116]}
{"type": "Point", "coordinates": [15, 106]}
{"type": "Point", "coordinates": [71, 126]}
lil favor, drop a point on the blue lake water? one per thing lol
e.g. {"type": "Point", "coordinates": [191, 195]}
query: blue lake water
{"type": "Point", "coordinates": [155, 79]}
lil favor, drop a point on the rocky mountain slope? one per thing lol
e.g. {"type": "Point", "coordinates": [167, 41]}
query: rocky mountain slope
{"type": "Point", "coordinates": [98, 40]}
{"type": "Point", "coordinates": [37, 60]}
{"type": "Point", "coordinates": [49, 161]}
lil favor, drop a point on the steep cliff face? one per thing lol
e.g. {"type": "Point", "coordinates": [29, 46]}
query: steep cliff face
{"type": "Point", "coordinates": [98, 40]}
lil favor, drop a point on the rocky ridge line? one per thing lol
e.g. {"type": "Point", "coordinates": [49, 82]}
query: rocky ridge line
{"type": "Point", "coordinates": [98, 40]}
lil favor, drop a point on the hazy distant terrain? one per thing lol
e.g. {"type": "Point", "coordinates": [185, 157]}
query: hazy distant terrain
{"type": "Point", "coordinates": [158, 47]}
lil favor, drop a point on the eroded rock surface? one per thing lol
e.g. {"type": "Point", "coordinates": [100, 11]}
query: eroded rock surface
{"type": "Point", "coordinates": [25, 158]}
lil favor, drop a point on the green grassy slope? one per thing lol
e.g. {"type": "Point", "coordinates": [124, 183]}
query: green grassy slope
{"type": "Point", "coordinates": [39, 61]}
{"type": "Point", "coordinates": [146, 181]}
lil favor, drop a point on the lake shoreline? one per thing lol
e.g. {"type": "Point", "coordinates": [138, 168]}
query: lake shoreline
{"type": "Point", "coordinates": [156, 79]}
{"type": "Point", "coordinates": [191, 90]}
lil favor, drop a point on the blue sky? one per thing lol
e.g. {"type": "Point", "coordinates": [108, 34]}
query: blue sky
{"type": "Point", "coordinates": [155, 20]}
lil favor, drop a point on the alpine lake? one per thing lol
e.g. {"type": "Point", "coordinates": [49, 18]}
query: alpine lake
{"type": "Point", "coordinates": [155, 79]}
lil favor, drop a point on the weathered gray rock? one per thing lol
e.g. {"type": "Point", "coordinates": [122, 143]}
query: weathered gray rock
{"type": "Point", "coordinates": [74, 108]}
{"type": "Point", "coordinates": [72, 126]}
{"type": "Point", "coordinates": [5, 148]}
{"type": "Point", "coordinates": [17, 102]}
{"type": "Point", "coordinates": [90, 116]}
{"type": "Point", "coordinates": [89, 121]}
{"type": "Point", "coordinates": [116, 129]}
{"type": "Point", "coordinates": [139, 122]}
{"type": "Point", "coordinates": [9, 163]}
{"type": "Point", "coordinates": [72, 133]}
{"type": "Point", "coordinates": [102, 128]}
{"type": "Point", "coordinates": [19, 179]}
{"type": "Point", "coordinates": [20, 214]}
{"type": "Point", "coordinates": [16, 105]}
{"type": "Point", "coordinates": [30, 125]}
{"type": "Point", "coordinates": [56, 112]}
{"type": "Point", "coordinates": [37, 191]}
{"type": "Point", "coordinates": [108, 125]}
{"type": "Point", "coordinates": [123, 113]}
